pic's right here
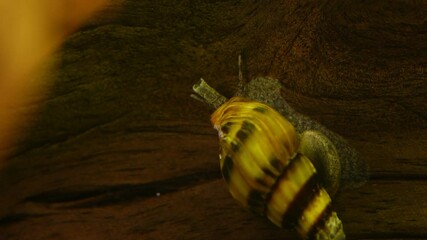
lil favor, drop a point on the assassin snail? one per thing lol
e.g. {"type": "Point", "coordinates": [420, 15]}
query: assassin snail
{"type": "Point", "coordinates": [279, 163]}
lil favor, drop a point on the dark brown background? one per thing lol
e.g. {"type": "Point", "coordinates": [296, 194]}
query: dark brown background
{"type": "Point", "coordinates": [118, 127]}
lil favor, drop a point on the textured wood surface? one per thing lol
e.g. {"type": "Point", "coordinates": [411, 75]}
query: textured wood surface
{"type": "Point", "coordinates": [120, 151]}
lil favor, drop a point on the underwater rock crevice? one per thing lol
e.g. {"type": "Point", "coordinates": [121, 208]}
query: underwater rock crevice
{"type": "Point", "coordinates": [98, 196]}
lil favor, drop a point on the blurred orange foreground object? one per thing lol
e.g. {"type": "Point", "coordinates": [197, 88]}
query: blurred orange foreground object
{"type": "Point", "coordinates": [30, 30]}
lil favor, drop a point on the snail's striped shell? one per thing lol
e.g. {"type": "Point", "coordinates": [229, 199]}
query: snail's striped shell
{"type": "Point", "coordinates": [265, 173]}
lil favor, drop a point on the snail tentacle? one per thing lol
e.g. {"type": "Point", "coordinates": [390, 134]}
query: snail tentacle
{"type": "Point", "coordinates": [207, 94]}
{"type": "Point", "coordinates": [241, 85]}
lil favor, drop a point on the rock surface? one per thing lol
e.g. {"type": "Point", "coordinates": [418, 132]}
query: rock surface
{"type": "Point", "coordinates": [120, 151]}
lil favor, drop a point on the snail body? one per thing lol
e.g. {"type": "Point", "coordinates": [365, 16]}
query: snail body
{"type": "Point", "coordinates": [315, 138]}
{"type": "Point", "coordinates": [279, 163]}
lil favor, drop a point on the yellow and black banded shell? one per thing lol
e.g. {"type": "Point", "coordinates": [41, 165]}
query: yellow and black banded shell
{"type": "Point", "coordinates": [265, 173]}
